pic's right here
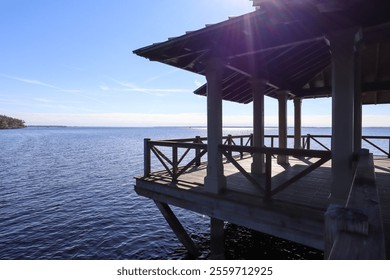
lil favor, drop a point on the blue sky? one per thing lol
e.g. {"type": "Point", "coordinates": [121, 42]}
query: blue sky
{"type": "Point", "coordinates": [70, 62]}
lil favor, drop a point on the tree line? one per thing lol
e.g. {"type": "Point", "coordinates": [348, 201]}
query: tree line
{"type": "Point", "coordinates": [8, 122]}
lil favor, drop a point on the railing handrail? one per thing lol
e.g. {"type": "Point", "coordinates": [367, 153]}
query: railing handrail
{"type": "Point", "coordinates": [359, 221]}
{"type": "Point", "coordinates": [274, 136]}
{"type": "Point", "coordinates": [277, 151]}
{"type": "Point", "coordinates": [170, 143]}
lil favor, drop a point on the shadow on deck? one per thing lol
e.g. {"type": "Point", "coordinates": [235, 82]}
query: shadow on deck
{"type": "Point", "coordinates": [296, 214]}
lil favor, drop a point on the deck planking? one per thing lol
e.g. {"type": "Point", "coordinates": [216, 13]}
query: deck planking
{"type": "Point", "coordinates": [308, 197]}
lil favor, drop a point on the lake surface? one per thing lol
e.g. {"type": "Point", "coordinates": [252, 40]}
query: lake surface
{"type": "Point", "coordinates": [67, 193]}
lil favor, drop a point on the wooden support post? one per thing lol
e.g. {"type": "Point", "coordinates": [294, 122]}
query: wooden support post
{"type": "Point", "coordinates": [215, 181]}
{"type": "Point", "coordinates": [175, 166]}
{"type": "Point", "coordinates": [282, 101]}
{"type": "Point", "coordinates": [268, 176]}
{"type": "Point", "coordinates": [177, 228]}
{"type": "Point", "coordinates": [297, 123]}
{"type": "Point", "coordinates": [230, 142]}
{"type": "Point", "coordinates": [342, 44]}
{"type": "Point", "coordinates": [147, 157]}
{"type": "Point", "coordinates": [258, 88]}
{"type": "Point", "coordinates": [241, 144]}
{"type": "Point", "coordinates": [388, 154]}
{"type": "Point", "coordinates": [358, 99]}
{"type": "Point", "coordinates": [217, 242]}
{"type": "Point", "coordinates": [308, 137]}
{"type": "Point", "coordinates": [197, 151]}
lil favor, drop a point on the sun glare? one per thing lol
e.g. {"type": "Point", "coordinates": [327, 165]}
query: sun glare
{"type": "Point", "coordinates": [239, 3]}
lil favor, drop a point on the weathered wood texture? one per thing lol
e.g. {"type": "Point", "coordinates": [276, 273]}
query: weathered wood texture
{"type": "Point", "coordinates": [296, 213]}
{"type": "Point", "coordinates": [382, 172]}
{"type": "Point", "coordinates": [355, 231]}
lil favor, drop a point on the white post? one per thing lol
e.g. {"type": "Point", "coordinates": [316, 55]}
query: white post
{"type": "Point", "coordinates": [282, 101]}
{"type": "Point", "coordinates": [258, 87]}
{"type": "Point", "coordinates": [297, 123]}
{"type": "Point", "coordinates": [215, 181]}
{"type": "Point", "coordinates": [342, 45]}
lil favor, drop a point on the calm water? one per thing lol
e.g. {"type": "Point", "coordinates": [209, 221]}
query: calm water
{"type": "Point", "coordinates": [67, 193]}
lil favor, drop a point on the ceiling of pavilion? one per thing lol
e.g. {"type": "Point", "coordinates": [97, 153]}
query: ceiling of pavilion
{"type": "Point", "coordinates": [284, 42]}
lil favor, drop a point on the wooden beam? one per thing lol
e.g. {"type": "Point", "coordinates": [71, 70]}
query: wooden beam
{"type": "Point", "coordinates": [177, 228]}
{"type": "Point", "coordinates": [355, 231]}
{"type": "Point", "coordinates": [281, 46]}
{"type": "Point", "coordinates": [299, 224]}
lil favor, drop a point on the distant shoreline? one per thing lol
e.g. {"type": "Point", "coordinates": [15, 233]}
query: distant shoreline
{"type": "Point", "coordinates": [183, 126]}
{"type": "Point", "coordinates": [48, 126]}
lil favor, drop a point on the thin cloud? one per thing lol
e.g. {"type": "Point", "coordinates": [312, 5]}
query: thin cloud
{"type": "Point", "coordinates": [129, 87]}
{"type": "Point", "coordinates": [29, 81]}
{"type": "Point", "coordinates": [39, 83]}
{"type": "Point", "coordinates": [161, 76]}
{"type": "Point", "coordinates": [104, 88]}
{"type": "Point", "coordinates": [70, 90]}
{"type": "Point", "coordinates": [43, 100]}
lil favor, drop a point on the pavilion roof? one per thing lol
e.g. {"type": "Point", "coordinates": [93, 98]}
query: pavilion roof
{"type": "Point", "coordinates": [283, 42]}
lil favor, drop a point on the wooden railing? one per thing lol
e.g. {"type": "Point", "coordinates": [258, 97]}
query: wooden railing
{"type": "Point", "coordinates": [184, 152]}
{"type": "Point", "coordinates": [355, 230]}
{"type": "Point", "coordinates": [180, 155]}
{"type": "Point", "coordinates": [308, 140]}
{"type": "Point", "coordinates": [366, 139]}
{"type": "Point", "coordinates": [267, 188]}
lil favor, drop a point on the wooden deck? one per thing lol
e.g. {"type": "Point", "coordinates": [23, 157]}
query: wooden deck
{"type": "Point", "coordinates": [382, 173]}
{"type": "Point", "coordinates": [296, 213]}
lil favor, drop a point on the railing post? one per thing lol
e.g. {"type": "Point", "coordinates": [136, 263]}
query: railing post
{"type": "Point", "coordinates": [241, 144]}
{"type": "Point", "coordinates": [147, 158]}
{"type": "Point", "coordinates": [197, 151]}
{"type": "Point", "coordinates": [251, 140]}
{"type": "Point", "coordinates": [174, 164]}
{"type": "Point", "coordinates": [229, 142]}
{"type": "Point", "coordinates": [388, 154]}
{"type": "Point", "coordinates": [272, 141]}
{"type": "Point", "coordinates": [268, 176]}
{"type": "Point", "coordinates": [308, 141]}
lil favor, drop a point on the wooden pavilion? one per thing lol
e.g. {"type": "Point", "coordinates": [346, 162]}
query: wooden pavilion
{"type": "Point", "coordinates": [288, 50]}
